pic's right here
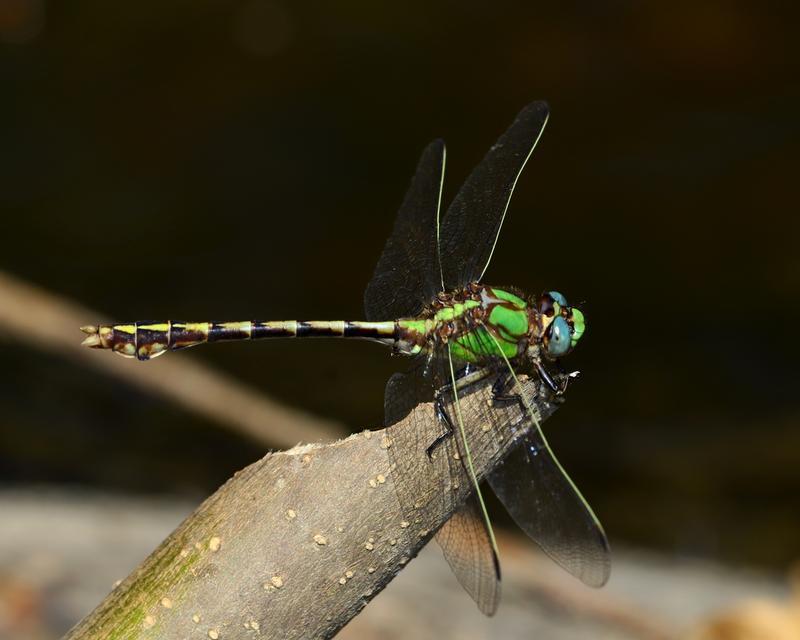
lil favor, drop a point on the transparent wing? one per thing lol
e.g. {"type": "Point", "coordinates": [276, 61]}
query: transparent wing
{"type": "Point", "coordinates": [549, 508]}
{"type": "Point", "coordinates": [471, 226]}
{"type": "Point", "coordinates": [407, 389]}
{"type": "Point", "coordinates": [464, 539]}
{"type": "Point", "coordinates": [467, 539]}
{"type": "Point", "coordinates": [421, 481]}
{"type": "Point", "coordinates": [538, 493]}
{"type": "Point", "coordinates": [468, 550]}
{"type": "Point", "coordinates": [407, 275]}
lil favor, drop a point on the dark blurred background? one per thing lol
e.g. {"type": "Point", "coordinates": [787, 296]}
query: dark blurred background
{"type": "Point", "coordinates": [236, 160]}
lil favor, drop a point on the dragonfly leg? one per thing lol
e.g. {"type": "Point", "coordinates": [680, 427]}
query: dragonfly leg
{"type": "Point", "coordinates": [465, 378]}
{"type": "Point", "coordinates": [441, 413]}
{"type": "Point", "coordinates": [557, 388]}
{"type": "Point", "coordinates": [544, 376]}
{"type": "Point", "coordinates": [501, 391]}
{"type": "Point", "coordinates": [566, 376]}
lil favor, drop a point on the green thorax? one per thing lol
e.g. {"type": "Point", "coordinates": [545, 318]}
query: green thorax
{"type": "Point", "coordinates": [468, 321]}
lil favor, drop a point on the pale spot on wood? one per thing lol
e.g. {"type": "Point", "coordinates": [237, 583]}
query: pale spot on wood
{"type": "Point", "coordinates": [381, 478]}
{"type": "Point", "coordinates": [392, 542]}
{"type": "Point", "coordinates": [215, 543]}
{"type": "Point", "coordinates": [148, 622]}
{"type": "Point", "coordinates": [276, 581]}
{"type": "Point", "coordinates": [195, 618]}
{"type": "Point", "coordinates": [372, 483]}
{"type": "Point", "coordinates": [348, 574]}
{"type": "Point", "coordinates": [342, 580]}
{"type": "Point", "coordinates": [166, 603]}
{"type": "Point", "coordinates": [456, 456]}
{"type": "Point", "coordinates": [293, 607]}
{"type": "Point", "coordinates": [255, 625]}
{"type": "Point", "coordinates": [423, 533]}
{"type": "Point", "coordinates": [486, 427]}
{"type": "Point", "coordinates": [213, 634]}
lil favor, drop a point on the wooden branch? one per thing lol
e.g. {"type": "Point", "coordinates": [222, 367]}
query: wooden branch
{"type": "Point", "coordinates": [44, 320]}
{"type": "Point", "coordinates": [299, 542]}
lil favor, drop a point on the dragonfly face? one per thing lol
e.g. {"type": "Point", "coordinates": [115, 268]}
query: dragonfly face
{"type": "Point", "coordinates": [562, 325]}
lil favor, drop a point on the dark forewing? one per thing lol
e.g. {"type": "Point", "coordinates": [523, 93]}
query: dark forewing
{"type": "Point", "coordinates": [547, 506]}
{"type": "Point", "coordinates": [407, 275]}
{"type": "Point", "coordinates": [472, 224]}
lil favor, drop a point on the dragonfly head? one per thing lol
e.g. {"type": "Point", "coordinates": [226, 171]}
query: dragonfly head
{"type": "Point", "coordinates": [561, 325]}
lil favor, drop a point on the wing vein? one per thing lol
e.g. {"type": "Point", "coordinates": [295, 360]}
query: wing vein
{"type": "Point", "coordinates": [510, 195]}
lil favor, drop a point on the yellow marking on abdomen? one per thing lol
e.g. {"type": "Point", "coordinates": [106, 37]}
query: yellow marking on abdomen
{"type": "Point", "coordinates": [125, 328]}
{"type": "Point", "coordinates": [244, 327]}
{"type": "Point", "coordinates": [161, 326]}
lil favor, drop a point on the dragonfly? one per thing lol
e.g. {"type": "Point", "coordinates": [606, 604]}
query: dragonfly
{"type": "Point", "coordinates": [427, 300]}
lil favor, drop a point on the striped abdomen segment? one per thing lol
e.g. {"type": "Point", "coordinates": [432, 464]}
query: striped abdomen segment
{"type": "Point", "coordinates": [145, 340]}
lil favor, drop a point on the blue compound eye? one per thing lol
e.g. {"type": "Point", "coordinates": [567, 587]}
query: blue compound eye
{"type": "Point", "coordinates": [558, 298]}
{"type": "Point", "coordinates": [559, 337]}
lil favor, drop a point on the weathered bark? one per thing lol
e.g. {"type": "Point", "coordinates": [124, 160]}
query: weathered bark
{"type": "Point", "coordinates": [296, 544]}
